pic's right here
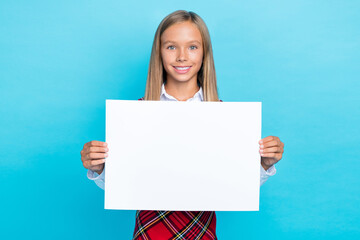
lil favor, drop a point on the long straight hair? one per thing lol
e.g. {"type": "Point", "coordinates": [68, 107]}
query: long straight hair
{"type": "Point", "coordinates": [156, 74]}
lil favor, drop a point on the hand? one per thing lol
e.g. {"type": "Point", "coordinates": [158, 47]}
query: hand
{"type": "Point", "coordinates": [271, 151]}
{"type": "Point", "coordinates": [93, 155]}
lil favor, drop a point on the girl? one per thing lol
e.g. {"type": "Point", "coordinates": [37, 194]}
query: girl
{"type": "Point", "coordinates": [181, 69]}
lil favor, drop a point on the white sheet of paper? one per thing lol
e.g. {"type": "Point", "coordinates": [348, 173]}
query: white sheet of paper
{"type": "Point", "coordinates": [182, 156]}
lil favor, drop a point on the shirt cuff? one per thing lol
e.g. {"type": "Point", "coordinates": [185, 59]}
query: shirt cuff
{"type": "Point", "coordinates": [92, 175]}
{"type": "Point", "coordinates": [98, 179]}
{"type": "Point", "coordinates": [265, 174]}
{"type": "Point", "coordinates": [270, 172]}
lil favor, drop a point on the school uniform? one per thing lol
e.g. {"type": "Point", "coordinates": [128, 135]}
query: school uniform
{"type": "Point", "coordinates": [168, 225]}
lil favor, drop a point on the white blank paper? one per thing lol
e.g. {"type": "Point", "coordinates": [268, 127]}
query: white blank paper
{"type": "Point", "coordinates": [182, 156]}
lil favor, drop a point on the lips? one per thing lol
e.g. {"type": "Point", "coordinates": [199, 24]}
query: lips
{"type": "Point", "coordinates": [182, 69]}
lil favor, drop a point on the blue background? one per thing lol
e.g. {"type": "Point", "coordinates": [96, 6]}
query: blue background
{"type": "Point", "coordinates": [60, 60]}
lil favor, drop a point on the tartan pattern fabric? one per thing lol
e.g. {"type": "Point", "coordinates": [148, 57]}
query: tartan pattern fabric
{"type": "Point", "coordinates": [175, 225]}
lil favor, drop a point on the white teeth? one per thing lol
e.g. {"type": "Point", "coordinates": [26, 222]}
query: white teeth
{"type": "Point", "coordinates": [182, 68]}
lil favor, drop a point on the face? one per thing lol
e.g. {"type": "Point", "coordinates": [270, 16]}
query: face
{"type": "Point", "coordinates": [182, 52]}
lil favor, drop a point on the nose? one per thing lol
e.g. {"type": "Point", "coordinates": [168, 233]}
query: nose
{"type": "Point", "coordinates": [181, 57]}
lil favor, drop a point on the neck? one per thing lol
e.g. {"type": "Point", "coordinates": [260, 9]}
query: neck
{"type": "Point", "coordinates": [182, 91]}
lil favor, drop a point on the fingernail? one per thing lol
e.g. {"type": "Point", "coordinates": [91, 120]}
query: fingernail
{"type": "Point", "coordinates": [106, 154]}
{"type": "Point", "coordinates": [261, 150]}
{"type": "Point", "coordinates": [105, 144]}
{"type": "Point", "coordinates": [261, 141]}
{"type": "Point", "coordinates": [262, 146]}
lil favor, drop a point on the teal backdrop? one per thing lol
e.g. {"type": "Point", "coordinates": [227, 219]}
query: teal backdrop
{"type": "Point", "coordinates": [60, 60]}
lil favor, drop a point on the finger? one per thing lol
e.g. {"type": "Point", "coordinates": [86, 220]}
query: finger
{"type": "Point", "coordinates": [92, 156]}
{"type": "Point", "coordinates": [95, 144]}
{"type": "Point", "coordinates": [272, 150]}
{"type": "Point", "coordinates": [96, 162]}
{"type": "Point", "coordinates": [269, 144]}
{"type": "Point", "coordinates": [267, 139]}
{"type": "Point", "coordinates": [86, 164]}
{"type": "Point", "coordinates": [90, 164]}
{"type": "Point", "coordinates": [96, 150]}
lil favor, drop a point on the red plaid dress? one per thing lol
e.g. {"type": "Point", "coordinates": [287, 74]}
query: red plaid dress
{"type": "Point", "coordinates": [171, 225]}
{"type": "Point", "coordinates": [175, 225]}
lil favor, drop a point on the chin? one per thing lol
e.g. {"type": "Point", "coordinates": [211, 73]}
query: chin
{"type": "Point", "coordinates": [183, 78]}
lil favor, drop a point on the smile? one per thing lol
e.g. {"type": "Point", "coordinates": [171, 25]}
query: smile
{"type": "Point", "coordinates": [182, 69]}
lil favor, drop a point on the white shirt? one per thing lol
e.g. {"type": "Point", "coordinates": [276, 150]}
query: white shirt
{"type": "Point", "coordinates": [198, 96]}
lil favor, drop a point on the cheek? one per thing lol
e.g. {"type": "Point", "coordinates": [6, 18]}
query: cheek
{"type": "Point", "coordinates": [163, 58]}
{"type": "Point", "coordinates": [166, 58]}
{"type": "Point", "coordinates": [166, 62]}
{"type": "Point", "coordinates": [197, 59]}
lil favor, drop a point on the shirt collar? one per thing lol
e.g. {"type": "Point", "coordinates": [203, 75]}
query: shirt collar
{"type": "Point", "coordinates": [198, 96]}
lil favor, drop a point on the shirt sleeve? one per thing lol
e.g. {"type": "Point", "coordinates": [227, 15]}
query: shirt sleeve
{"type": "Point", "coordinates": [265, 174]}
{"type": "Point", "coordinates": [98, 179]}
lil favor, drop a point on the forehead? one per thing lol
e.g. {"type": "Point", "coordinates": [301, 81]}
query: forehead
{"type": "Point", "coordinates": [182, 32]}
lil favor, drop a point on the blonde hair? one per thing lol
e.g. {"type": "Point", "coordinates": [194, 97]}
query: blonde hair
{"type": "Point", "coordinates": [156, 74]}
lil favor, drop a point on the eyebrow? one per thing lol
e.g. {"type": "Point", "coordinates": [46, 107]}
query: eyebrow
{"type": "Point", "coordinates": [194, 41]}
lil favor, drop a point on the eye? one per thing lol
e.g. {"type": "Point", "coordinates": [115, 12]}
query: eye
{"type": "Point", "coordinates": [193, 47]}
{"type": "Point", "coordinates": [171, 47]}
